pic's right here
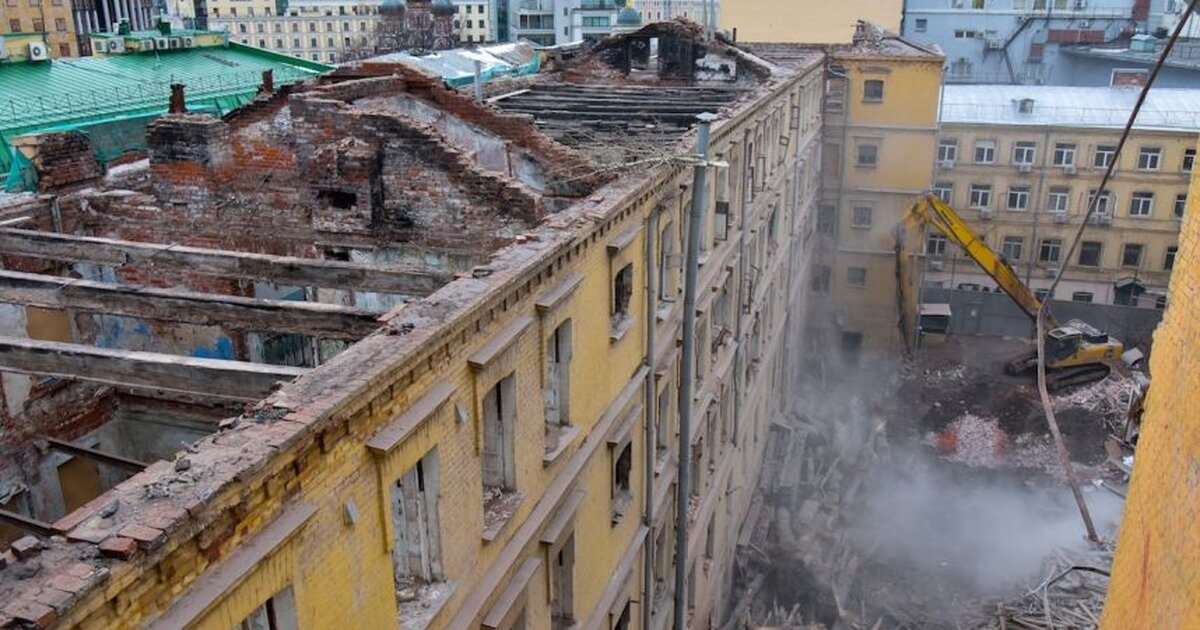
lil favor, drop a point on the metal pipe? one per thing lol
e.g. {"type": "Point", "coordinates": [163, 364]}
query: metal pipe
{"type": "Point", "coordinates": [478, 81]}
{"type": "Point", "coordinates": [688, 372]}
{"type": "Point", "coordinates": [651, 411]}
{"type": "Point", "coordinates": [743, 272]}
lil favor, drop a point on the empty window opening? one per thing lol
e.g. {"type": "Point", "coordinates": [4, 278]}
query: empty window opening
{"type": "Point", "coordinates": [498, 458]}
{"type": "Point", "coordinates": [558, 384]}
{"type": "Point", "coordinates": [562, 586]}
{"type": "Point", "coordinates": [416, 549]}
{"type": "Point", "coordinates": [277, 613]}
{"type": "Point", "coordinates": [1089, 253]}
{"type": "Point", "coordinates": [622, 472]}
{"type": "Point", "coordinates": [622, 296]}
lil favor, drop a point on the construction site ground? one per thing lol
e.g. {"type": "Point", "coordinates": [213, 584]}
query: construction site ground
{"type": "Point", "coordinates": [928, 493]}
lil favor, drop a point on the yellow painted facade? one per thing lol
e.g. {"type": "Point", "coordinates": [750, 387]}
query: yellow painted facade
{"type": "Point", "coordinates": [807, 21]}
{"type": "Point", "coordinates": [50, 20]}
{"type": "Point", "coordinates": [317, 34]}
{"type": "Point", "coordinates": [475, 22]}
{"type": "Point", "coordinates": [880, 138]}
{"type": "Point", "coordinates": [313, 529]}
{"type": "Point", "coordinates": [1156, 575]}
{"type": "Point", "coordinates": [1035, 207]}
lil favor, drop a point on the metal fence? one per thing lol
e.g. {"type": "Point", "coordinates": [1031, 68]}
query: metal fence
{"type": "Point", "coordinates": [980, 313]}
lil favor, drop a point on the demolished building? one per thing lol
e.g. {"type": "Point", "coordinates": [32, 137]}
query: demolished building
{"type": "Point", "coordinates": [368, 348]}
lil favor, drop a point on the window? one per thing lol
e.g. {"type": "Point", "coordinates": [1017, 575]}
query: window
{"type": "Point", "coordinates": [498, 458]}
{"type": "Point", "coordinates": [872, 90]}
{"type": "Point", "coordinates": [1180, 205]}
{"type": "Point", "coordinates": [312, 43]}
{"type": "Point", "coordinates": [277, 613]}
{"type": "Point", "coordinates": [1103, 204]}
{"type": "Point", "coordinates": [14, 25]}
{"type": "Point", "coordinates": [964, 34]}
{"type": "Point", "coordinates": [944, 191]}
{"type": "Point", "coordinates": [1189, 160]}
{"type": "Point", "coordinates": [558, 383]}
{"type": "Point", "coordinates": [820, 279]}
{"type": "Point", "coordinates": [856, 276]}
{"type": "Point", "coordinates": [1064, 154]}
{"type": "Point", "coordinates": [417, 548]}
{"type": "Point", "coordinates": [241, 28]}
{"type": "Point", "coordinates": [64, 50]}
{"type": "Point", "coordinates": [935, 245]}
{"type": "Point", "coordinates": [921, 25]}
{"type": "Point", "coordinates": [329, 42]}
{"type": "Point", "coordinates": [1050, 250]}
{"type": "Point", "coordinates": [1058, 200]}
{"type": "Point", "coordinates": [981, 196]}
{"type": "Point", "coordinates": [1042, 294]}
{"type": "Point", "coordinates": [258, 28]}
{"type": "Point", "coordinates": [1149, 158]}
{"type": "Point", "coordinates": [1131, 256]}
{"type": "Point", "coordinates": [60, 25]}
{"type": "Point", "coordinates": [667, 262]}
{"type": "Point", "coordinates": [562, 586]}
{"type": "Point", "coordinates": [622, 295]}
{"type": "Point", "coordinates": [1024, 153]}
{"type": "Point", "coordinates": [1141, 204]}
{"type": "Point", "coordinates": [1081, 296]}
{"type": "Point", "coordinates": [947, 150]}
{"type": "Point", "coordinates": [985, 152]}
{"type": "Point", "coordinates": [1169, 260]}
{"type": "Point", "coordinates": [295, 42]}
{"type": "Point", "coordinates": [1018, 198]}
{"type": "Point", "coordinates": [1089, 253]}
{"type": "Point", "coordinates": [38, 25]}
{"type": "Point", "coordinates": [622, 488]}
{"type": "Point", "coordinates": [868, 155]}
{"type": "Point", "coordinates": [1011, 248]}
{"type": "Point", "coordinates": [861, 217]}
{"type": "Point", "coordinates": [1104, 155]}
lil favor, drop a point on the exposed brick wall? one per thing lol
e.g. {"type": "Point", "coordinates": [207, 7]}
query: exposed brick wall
{"type": "Point", "coordinates": [63, 160]}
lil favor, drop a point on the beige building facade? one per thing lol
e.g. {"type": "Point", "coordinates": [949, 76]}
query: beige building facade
{"type": "Point", "coordinates": [50, 22]}
{"type": "Point", "coordinates": [808, 21]}
{"type": "Point", "coordinates": [475, 22]}
{"type": "Point", "coordinates": [325, 33]}
{"type": "Point", "coordinates": [1022, 164]}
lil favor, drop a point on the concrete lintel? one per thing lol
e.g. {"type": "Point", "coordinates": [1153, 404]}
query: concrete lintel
{"type": "Point", "coordinates": [330, 321]}
{"type": "Point", "coordinates": [288, 270]}
{"type": "Point", "coordinates": [212, 377]}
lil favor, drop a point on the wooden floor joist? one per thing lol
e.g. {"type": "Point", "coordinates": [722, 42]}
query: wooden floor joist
{"type": "Point", "coordinates": [285, 270]}
{"type": "Point", "coordinates": [328, 321]}
{"type": "Point", "coordinates": [214, 378]}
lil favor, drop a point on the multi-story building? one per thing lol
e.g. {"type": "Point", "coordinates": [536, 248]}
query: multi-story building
{"type": "Point", "coordinates": [555, 22]}
{"type": "Point", "coordinates": [481, 426]}
{"type": "Point", "coordinates": [1156, 572]}
{"type": "Point", "coordinates": [1023, 163]}
{"type": "Point", "coordinates": [1018, 41]}
{"type": "Point", "coordinates": [110, 16]}
{"type": "Point", "coordinates": [879, 141]}
{"type": "Point", "coordinates": [814, 21]}
{"type": "Point", "coordinates": [700, 11]}
{"type": "Point", "coordinates": [475, 21]}
{"type": "Point", "coordinates": [308, 29]}
{"type": "Point", "coordinates": [44, 29]}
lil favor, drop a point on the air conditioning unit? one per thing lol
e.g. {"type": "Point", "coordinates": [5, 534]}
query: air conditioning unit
{"type": "Point", "coordinates": [1024, 168]}
{"type": "Point", "coordinates": [993, 44]}
{"type": "Point", "coordinates": [115, 45]}
{"type": "Point", "coordinates": [1051, 272]}
{"type": "Point", "coordinates": [1085, 23]}
{"type": "Point", "coordinates": [1060, 217]}
{"type": "Point", "coordinates": [189, 42]}
{"type": "Point", "coordinates": [935, 264]}
{"type": "Point", "coordinates": [161, 43]}
{"type": "Point", "coordinates": [946, 165]}
{"type": "Point", "coordinates": [3, 50]}
{"type": "Point", "coordinates": [1069, 169]}
{"type": "Point", "coordinates": [175, 42]}
{"type": "Point", "coordinates": [38, 51]}
{"type": "Point", "coordinates": [145, 45]}
{"type": "Point", "coordinates": [1100, 219]}
{"type": "Point", "coordinates": [985, 214]}
{"type": "Point", "coordinates": [1079, 5]}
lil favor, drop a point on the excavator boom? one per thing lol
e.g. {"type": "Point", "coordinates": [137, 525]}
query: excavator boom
{"type": "Point", "coordinates": [932, 210]}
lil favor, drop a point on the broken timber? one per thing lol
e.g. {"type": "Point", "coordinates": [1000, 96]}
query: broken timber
{"type": "Point", "coordinates": [329, 321]}
{"type": "Point", "coordinates": [216, 262]}
{"type": "Point", "coordinates": [211, 377]}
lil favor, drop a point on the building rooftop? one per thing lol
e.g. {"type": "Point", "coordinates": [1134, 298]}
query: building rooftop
{"type": "Point", "coordinates": [1101, 107]}
{"type": "Point", "coordinates": [75, 93]}
{"type": "Point", "coordinates": [457, 67]}
{"type": "Point", "coordinates": [1185, 55]}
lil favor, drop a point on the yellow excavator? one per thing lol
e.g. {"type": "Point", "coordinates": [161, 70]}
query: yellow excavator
{"type": "Point", "coordinates": [1076, 352]}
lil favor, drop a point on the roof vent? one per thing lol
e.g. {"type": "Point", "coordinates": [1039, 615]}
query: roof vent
{"type": "Point", "coordinates": [123, 27]}
{"type": "Point", "coordinates": [1025, 106]}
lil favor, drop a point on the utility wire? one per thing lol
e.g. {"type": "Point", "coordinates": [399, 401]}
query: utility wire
{"type": "Point", "coordinates": [1043, 311]}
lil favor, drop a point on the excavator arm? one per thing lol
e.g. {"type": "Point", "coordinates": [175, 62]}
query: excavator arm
{"type": "Point", "coordinates": [931, 210]}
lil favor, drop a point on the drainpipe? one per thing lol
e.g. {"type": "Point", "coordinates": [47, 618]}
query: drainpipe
{"type": "Point", "coordinates": [651, 410]}
{"type": "Point", "coordinates": [743, 273]}
{"type": "Point", "coordinates": [688, 375]}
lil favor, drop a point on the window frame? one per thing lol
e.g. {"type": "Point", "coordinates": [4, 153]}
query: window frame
{"type": "Point", "coordinates": [1150, 159]}
{"type": "Point", "coordinates": [1024, 148]}
{"type": "Point", "coordinates": [1141, 201]}
{"type": "Point", "coordinates": [1020, 193]}
{"type": "Point", "coordinates": [988, 147]}
{"type": "Point", "coordinates": [1064, 150]}
{"type": "Point", "coordinates": [980, 191]}
{"type": "Point", "coordinates": [1098, 252]}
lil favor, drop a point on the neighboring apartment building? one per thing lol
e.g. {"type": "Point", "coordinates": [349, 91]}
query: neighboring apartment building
{"type": "Point", "coordinates": [555, 22]}
{"type": "Point", "coordinates": [498, 451]}
{"type": "Point", "coordinates": [700, 11]}
{"type": "Point", "coordinates": [475, 21]}
{"type": "Point", "coordinates": [1018, 41]}
{"type": "Point", "coordinates": [310, 29]}
{"type": "Point", "coordinates": [810, 21]}
{"type": "Point", "coordinates": [1156, 572]}
{"type": "Point", "coordinates": [880, 135]}
{"type": "Point", "coordinates": [1022, 164]}
{"type": "Point", "coordinates": [44, 29]}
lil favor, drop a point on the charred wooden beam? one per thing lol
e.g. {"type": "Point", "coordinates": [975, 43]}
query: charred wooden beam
{"type": "Point", "coordinates": [214, 378]}
{"type": "Point", "coordinates": [330, 321]}
{"type": "Point", "coordinates": [218, 262]}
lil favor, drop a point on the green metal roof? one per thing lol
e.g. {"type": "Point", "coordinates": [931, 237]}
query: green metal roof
{"type": "Point", "coordinates": [155, 34]}
{"type": "Point", "coordinates": [90, 91]}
